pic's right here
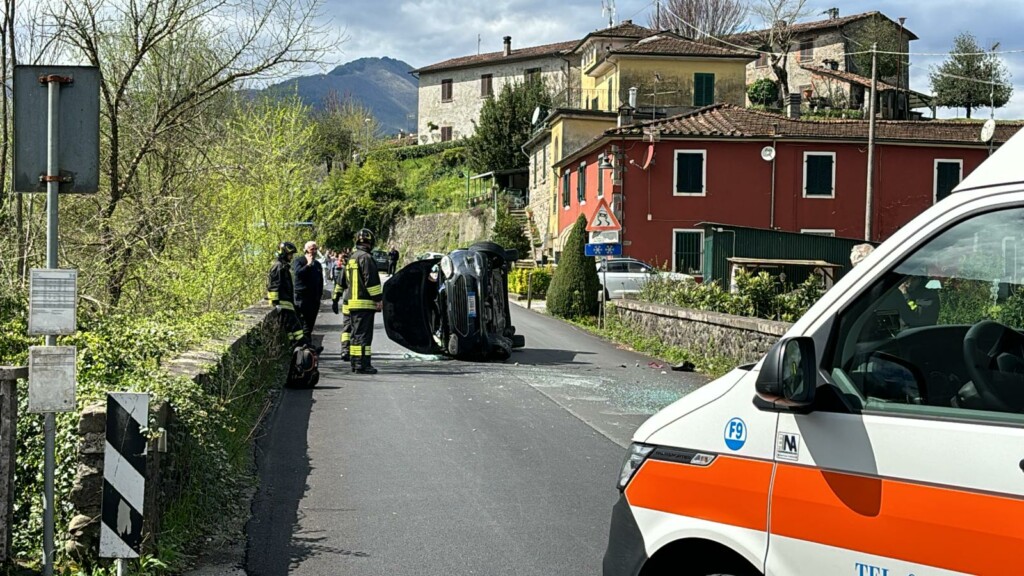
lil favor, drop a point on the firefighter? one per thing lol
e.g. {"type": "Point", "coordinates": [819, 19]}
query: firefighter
{"type": "Point", "coordinates": [365, 294]}
{"type": "Point", "coordinates": [281, 293]}
{"type": "Point", "coordinates": [341, 293]}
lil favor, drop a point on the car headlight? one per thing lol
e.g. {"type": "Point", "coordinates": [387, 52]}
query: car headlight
{"type": "Point", "coordinates": [634, 458]}
{"type": "Point", "coordinates": [447, 267]}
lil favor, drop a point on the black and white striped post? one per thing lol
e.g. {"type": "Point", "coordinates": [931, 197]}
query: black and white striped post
{"type": "Point", "coordinates": [124, 477]}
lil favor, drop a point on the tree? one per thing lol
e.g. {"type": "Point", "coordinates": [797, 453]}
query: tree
{"type": "Point", "coordinates": [505, 126]}
{"type": "Point", "coordinates": [700, 18]}
{"type": "Point", "coordinates": [886, 35]}
{"type": "Point", "coordinates": [166, 69]}
{"type": "Point", "coordinates": [971, 78]}
{"type": "Point", "coordinates": [509, 232]}
{"type": "Point", "coordinates": [777, 38]}
{"type": "Point", "coordinates": [342, 127]}
{"type": "Point", "coordinates": [575, 285]}
{"type": "Point", "coordinates": [367, 196]}
{"type": "Point", "coordinates": [763, 91]}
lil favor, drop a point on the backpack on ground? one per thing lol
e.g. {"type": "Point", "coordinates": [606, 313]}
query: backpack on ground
{"type": "Point", "coordinates": [304, 371]}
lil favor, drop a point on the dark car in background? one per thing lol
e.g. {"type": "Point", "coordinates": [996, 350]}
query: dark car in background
{"type": "Point", "coordinates": [382, 259]}
{"type": "Point", "coordinates": [455, 305]}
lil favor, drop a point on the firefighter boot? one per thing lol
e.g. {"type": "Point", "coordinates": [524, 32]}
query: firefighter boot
{"type": "Point", "coordinates": [365, 367]}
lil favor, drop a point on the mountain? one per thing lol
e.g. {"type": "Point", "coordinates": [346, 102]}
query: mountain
{"type": "Point", "coordinates": [383, 85]}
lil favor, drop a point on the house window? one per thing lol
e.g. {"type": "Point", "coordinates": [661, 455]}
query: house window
{"type": "Point", "coordinates": [446, 90]}
{"type": "Point", "coordinates": [446, 133]}
{"type": "Point", "coordinates": [535, 168]}
{"type": "Point", "coordinates": [532, 75]}
{"type": "Point", "coordinates": [688, 251]}
{"type": "Point", "coordinates": [691, 169]}
{"type": "Point", "coordinates": [565, 189]}
{"type": "Point", "coordinates": [581, 183]}
{"type": "Point", "coordinates": [703, 89]}
{"type": "Point", "coordinates": [819, 174]}
{"type": "Point", "coordinates": [806, 50]}
{"type": "Point", "coordinates": [762, 57]}
{"type": "Point", "coordinates": [544, 163]}
{"type": "Point", "coordinates": [818, 232]}
{"type": "Point", "coordinates": [486, 86]}
{"type": "Point", "coordinates": [947, 175]}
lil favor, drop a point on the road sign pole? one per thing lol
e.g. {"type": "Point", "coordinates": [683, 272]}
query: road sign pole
{"type": "Point", "coordinates": [52, 205]}
{"type": "Point", "coordinates": [604, 294]}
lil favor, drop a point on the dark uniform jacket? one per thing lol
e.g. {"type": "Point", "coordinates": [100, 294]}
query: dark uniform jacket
{"type": "Point", "coordinates": [362, 281]}
{"type": "Point", "coordinates": [341, 291]}
{"type": "Point", "coordinates": [279, 285]}
{"type": "Point", "coordinates": [309, 280]}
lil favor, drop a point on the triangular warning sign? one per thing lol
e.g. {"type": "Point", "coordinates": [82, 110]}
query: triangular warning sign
{"type": "Point", "coordinates": [603, 219]}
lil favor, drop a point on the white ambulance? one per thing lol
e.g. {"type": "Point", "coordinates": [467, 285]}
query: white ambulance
{"type": "Point", "coordinates": [882, 436]}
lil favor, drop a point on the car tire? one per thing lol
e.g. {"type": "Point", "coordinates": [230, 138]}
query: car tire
{"type": "Point", "coordinates": [518, 341]}
{"type": "Point", "coordinates": [492, 248]}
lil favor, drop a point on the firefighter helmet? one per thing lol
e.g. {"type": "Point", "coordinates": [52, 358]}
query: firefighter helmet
{"type": "Point", "coordinates": [365, 236]}
{"type": "Point", "coordinates": [286, 249]}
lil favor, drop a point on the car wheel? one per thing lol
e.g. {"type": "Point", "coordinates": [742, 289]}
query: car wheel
{"type": "Point", "coordinates": [518, 341]}
{"type": "Point", "coordinates": [493, 248]}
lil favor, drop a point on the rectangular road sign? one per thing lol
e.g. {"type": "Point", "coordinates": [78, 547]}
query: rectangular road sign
{"type": "Point", "coordinates": [124, 475]}
{"type": "Point", "coordinates": [79, 126]}
{"type": "Point", "coordinates": [603, 250]}
{"type": "Point", "coordinates": [51, 378]}
{"type": "Point", "coordinates": [52, 302]}
{"type": "Point", "coordinates": [604, 237]}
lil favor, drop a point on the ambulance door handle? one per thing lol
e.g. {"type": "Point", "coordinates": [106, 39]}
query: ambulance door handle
{"type": "Point", "coordinates": [1022, 465]}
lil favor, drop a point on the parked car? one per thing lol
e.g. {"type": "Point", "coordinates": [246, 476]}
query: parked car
{"type": "Point", "coordinates": [430, 256]}
{"type": "Point", "coordinates": [628, 276]}
{"type": "Point", "coordinates": [382, 259]}
{"type": "Point", "coordinates": [455, 305]}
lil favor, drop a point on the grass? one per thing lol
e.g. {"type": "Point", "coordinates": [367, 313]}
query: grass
{"type": "Point", "coordinates": [431, 186]}
{"type": "Point", "coordinates": [615, 330]}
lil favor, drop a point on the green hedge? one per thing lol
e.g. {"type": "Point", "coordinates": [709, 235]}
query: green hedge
{"type": "Point", "coordinates": [575, 286]}
{"type": "Point", "coordinates": [519, 281]}
{"type": "Point", "coordinates": [411, 152]}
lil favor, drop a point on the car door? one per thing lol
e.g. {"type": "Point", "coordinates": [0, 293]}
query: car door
{"type": "Point", "coordinates": [617, 278]}
{"type": "Point", "coordinates": [912, 461]}
{"type": "Point", "coordinates": [639, 274]}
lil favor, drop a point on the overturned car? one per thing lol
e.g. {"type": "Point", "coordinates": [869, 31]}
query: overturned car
{"type": "Point", "coordinates": [455, 305]}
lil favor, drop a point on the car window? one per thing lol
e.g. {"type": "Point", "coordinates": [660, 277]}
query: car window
{"type": "Point", "coordinates": [639, 267]}
{"type": "Point", "coordinates": [941, 333]}
{"type": "Point", "coordinates": [618, 266]}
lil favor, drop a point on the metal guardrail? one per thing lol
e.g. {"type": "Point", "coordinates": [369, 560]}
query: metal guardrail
{"type": "Point", "coordinates": [9, 376]}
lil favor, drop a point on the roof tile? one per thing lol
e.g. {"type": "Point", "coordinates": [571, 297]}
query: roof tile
{"type": "Point", "coordinates": [555, 49]}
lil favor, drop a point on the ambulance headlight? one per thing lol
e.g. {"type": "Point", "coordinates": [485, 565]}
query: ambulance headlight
{"type": "Point", "coordinates": [634, 458]}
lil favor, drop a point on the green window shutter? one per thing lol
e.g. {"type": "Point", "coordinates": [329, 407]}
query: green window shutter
{"type": "Point", "coordinates": [565, 189]}
{"type": "Point", "coordinates": [703, 89]}
{"type": "Point", "coordinates": [688, 252]}
{"type": "Point", "coordinates": [581, 184]}
{"type": "Point", "coordinates": [690, 173]}
{"type": "Point", "coordinates": [819, 175]}
{"type": "Point", "coordinates": [947, 176]}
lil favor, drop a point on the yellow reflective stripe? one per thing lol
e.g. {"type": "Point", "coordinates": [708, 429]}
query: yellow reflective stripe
{"type": "Point", "coordinates": [362, 305]}
{"type": "Point", "coordinates": [297, 335]}
{"type": "Point", "coordinates": [366, 350]}
{"type": "Point", "coordinates": [286, 305]}
{"type": "Point", "coordinates": [353, 278]}
{"type": "Point", "coordinates": [355, 350]}
{"type": "Point", "coordinates": [346, 336]}
{"type": "Point", "coordinates": [374, 290]}
{"type": "Point", "coordinates": [344, 309]}
{"type": "Point", "coordinates": [272, 296]}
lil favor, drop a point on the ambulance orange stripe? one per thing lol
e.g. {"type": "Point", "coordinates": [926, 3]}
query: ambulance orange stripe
{"type": "Point", "coordinates": [730, 491]}
{"type": "Point", "coordinates": [953, 529]}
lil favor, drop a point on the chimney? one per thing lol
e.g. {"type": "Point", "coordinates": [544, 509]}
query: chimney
{"type": "Point", "coordinates": [627, 21]}
{"type": "Point", "coordinates": [632, 97]}
{"type": "Point", "coordinates": [794, 105]}
{"type": "Point", "coordinates": [625, 115]}
{"type": "Point", "coordinates": [508, 45]}
{"type": "Point", "coordinates": [833, 13]}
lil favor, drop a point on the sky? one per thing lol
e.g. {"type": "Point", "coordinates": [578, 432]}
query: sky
{"type": "Point", "coordinates": [422, 32]}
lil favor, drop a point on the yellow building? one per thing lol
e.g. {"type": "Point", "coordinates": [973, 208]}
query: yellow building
{"type": "Point", "coordinates": [670, 73]}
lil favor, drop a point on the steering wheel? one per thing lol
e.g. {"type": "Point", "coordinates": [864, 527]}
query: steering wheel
{"type": "Point", "coordinates": [984, 343]}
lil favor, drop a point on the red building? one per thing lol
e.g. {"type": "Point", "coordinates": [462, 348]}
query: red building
{"type": "Point", "coordinates": [750, 168]}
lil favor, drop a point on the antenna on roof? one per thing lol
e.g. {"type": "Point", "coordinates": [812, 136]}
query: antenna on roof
{"type": "Point", "coordinates": [477, 44]}
{"type": "Point", "coordinates": [608, 8]}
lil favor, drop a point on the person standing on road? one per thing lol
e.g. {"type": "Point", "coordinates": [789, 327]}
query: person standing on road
{"type": "Point", "coordinates": [309, 288]}
{"type": "Point", "coordinates": [341, 293]}
{"type": "Point", "coordinates": [392, 261]}
{"type": "Point", "coordinates": [281, 293]}
{"type": "Point", "coordinates": [365, 294]}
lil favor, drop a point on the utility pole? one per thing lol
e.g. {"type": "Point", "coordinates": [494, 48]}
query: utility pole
{"type": "Point", "coordinates": [899, 71]}
{"type": "Point", "coordinates": [657, 14]}
{"type": "Point", "coordinates": [871, 143]}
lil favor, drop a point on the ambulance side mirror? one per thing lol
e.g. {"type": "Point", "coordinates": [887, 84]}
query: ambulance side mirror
{"type": "Point", "coordinates": [788, 376]}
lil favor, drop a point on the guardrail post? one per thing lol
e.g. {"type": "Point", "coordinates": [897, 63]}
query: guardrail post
{"type": "Point", "coordinates": [9, 376]}
{"type": "Point", "coordinates": [529, 289]}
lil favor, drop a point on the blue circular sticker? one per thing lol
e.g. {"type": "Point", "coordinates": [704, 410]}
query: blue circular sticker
{"type": "Point", "coordinates": [735, 434]}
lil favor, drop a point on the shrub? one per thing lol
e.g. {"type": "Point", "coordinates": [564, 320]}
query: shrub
{"type": "Point", "coordinates": [763, 92]}
{"type": "Point", "coordinates": [509, 233]}
{"type": "Point", "coordinates": [575, 286]}
{"type": "Point", "coordinates": [519, 281]}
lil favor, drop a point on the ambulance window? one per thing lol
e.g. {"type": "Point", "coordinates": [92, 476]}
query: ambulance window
{"type": "Point", "coordinates": [942, 333]}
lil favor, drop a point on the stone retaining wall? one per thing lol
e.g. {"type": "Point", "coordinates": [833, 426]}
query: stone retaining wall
{"type": "Point", "coordinates": [713, 333]}
{"type": "Point", "coordinates": [259, 328]}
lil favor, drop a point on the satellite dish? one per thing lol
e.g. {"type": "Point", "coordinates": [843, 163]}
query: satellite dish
{"type": "Point", "coordinates": [537, 112]}
{"type": "Point", "coordinates": [988, 130]}
{"type": "Point", "coordinates": [768, 153]}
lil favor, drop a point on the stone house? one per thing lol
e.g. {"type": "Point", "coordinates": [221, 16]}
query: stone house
{"type": "Point", "coordinates": [452, 93]}
{"type": "Point", "coordinates": [823, 71]}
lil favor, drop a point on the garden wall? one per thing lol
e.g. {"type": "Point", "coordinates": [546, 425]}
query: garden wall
{"type": "Point", "coordinates": [710, 333]}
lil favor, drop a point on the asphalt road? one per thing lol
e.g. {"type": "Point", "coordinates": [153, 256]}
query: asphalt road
{"type": "Point", "coordinates": [441, 467]}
